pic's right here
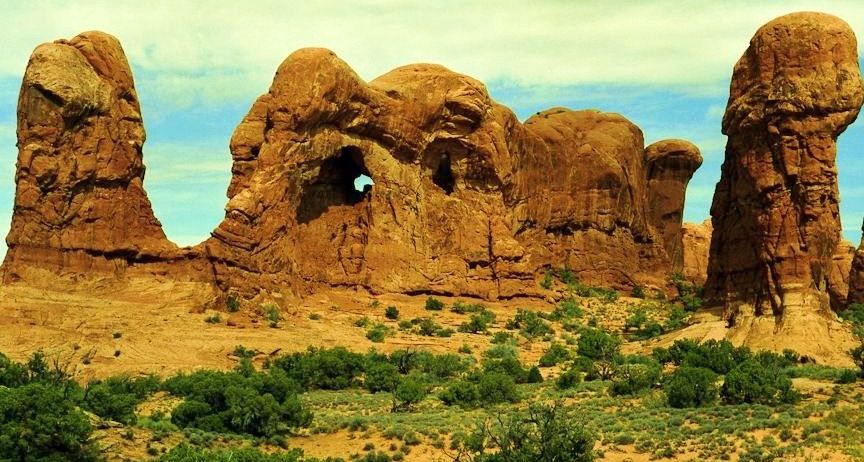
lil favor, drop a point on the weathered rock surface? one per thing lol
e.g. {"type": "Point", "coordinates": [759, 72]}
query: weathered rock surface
{"type": "Point", "coordinates": [838, 275]}
{"type": "Point", "coordinates": [696, 243]}
{"type": "Point", "coordinates": [856, 275]}
{"type": "Point", "coordinates": [466, 199]}
{"type": "Point", "coordinates": [775, 210]}
{"type": "Point", "coordinates": [671, 164]}
{"type": "Point", "coordinates": [80, 205]}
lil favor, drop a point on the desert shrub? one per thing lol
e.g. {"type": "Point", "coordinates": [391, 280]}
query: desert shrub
{"type": "Point", "coordinates": [689, 294]}
{"type": "Point", "coordinates": [409, 392]}
{"type": "Point", "coordinates": [260, 404]}
{"type": "Point", "coordinates": [677, 319]}
{"type": "Point", "coordinates": [546, 283]}
{"type": "Point", "coordinates": [598, 344]}
{"type": "Point", "coordinates": [568, 308]}
{"type": "Point", "coordinates": [534, 375]}
{"type": "Point", "coordinates": [638, 292]}
{"type": "Point", "coordinates": [504, 359]}
{"type": "Point", "coordinates": [847, 376]}
{"type": "Point", "coordinates": [752, 382]}
{"type": "Point", "coordinates": [854, 314]}
{"type": "Point", "coordinates": [232, 303]}
{"type": "Point", "coordinates": [272, 313]}
{"type": "Point", "coordinates": [38, 422]}
{"type": "Point", "coordinates": [497, 387]}
{"type": "Point", "coordinates": [478, 323]}
{"type": "Point", "coordinates": [676, 353]}
{"type": "Point", "coordinates": [115, 398]}
{"type": "Point", "coordinates": [690, 387]}
{"type": "Point", "coordinates": [465, 308]}
{"type": "Point", "coordinates": [632, 378]}
{"type": "Point", "coordinates": [719, 356]}
{"type": "Point", "coordinates": [637, 318]}
{"type": "Point", "coordinates": [377, 333]}
{"type": "Point", "coordinates": [12, 374]}
{"type": "Point", "coordinates": [530, 324]}
{"type": "Point", "coordinates": [461, 393]}
{"type": "Point", "coordinates": [569, 379]}
{"type": "Point", "coordinates": [502, 337]}
{"type": "Point", "coordinates": [443, 366]}
{"type": "Point", "coordinates": [391, 312]}
{"type": "Point", "coordinates": [546, 433]}
{"type": "Point", "coordinates": [381, 376]}
{"type": "Point", "coordinates": [187, 453]}
{"type": "Point", "coordinates": [433, 304]}
{"type": "Point", "coordinates": [325, 369]}
{"type": "Point", "coordinates": [556, 354]}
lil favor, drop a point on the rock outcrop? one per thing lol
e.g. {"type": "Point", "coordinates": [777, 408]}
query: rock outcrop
{"type": "Point", "coordinates": [838, 275]}
{"type": "Point", "coordinates": [856, 274]}
{"type": "Point", "coordinates": [464, 200]}
{"type": "Point", "coordinates": [80, 204]}
{"type": "Point", "coordinates": [696, 243]}
{"type": "Point", "coordinates": [775, 210]}
{"type": "Point", "coordinates": [671, 164]}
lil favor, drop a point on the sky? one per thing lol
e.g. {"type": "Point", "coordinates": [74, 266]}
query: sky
{"type": "Point", "coordinates": [198, 66]}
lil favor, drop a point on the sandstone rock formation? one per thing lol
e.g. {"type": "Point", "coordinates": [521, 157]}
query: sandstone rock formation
{"type": "Point", "coordinates": [80, 205]}
{"type": "Point", "coordinates": [775, 210]}
{"type": "Point", "coordinates": [696, 242]}
{"type": "Point", "coordinates": [671, 164]}
{"type": "Point", "coordinates": [856, 275]}
{"type": "Point", "coordinates": [838, 275]}
{"type": "Point", "coordinates": [465, 200]}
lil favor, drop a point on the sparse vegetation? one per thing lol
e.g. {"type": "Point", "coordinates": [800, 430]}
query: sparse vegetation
{"type": "Point", "coordinates": [433, 304]}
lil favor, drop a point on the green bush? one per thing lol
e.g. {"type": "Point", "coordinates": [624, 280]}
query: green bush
{"type": "Point", "coordinates": [752, 382]}
{"type": "Point", "coordinates": [433, 304]}
{"type": "Point", "coordinates": [377, 333]}
{"type": "Point", "coordinates": [530, 324]}
{"type": "Point", "coordinates": [478, 323]}
{"type": "Point", "coordinates": [442, 366]}
{"type": "Point", "coordinates": [502, 338]}
{"type": "Point", "coordinates": [534, 375]}
{"type": "Point", "coordinates": [504, 359]}
{"type": "Point", "coordinates": [632, 378]}
{"type": "Point", "coordinates": [465, 308]}
{"type": "Point", "coordinates": [638, 292]}
{"type": "Point", "coordinates": [260, 404]}
{"type": "Point", "coordinates": [325, 369]}
{"type": "Point", "coordinates": [38, 422]}
{"type": "Point", "coordinates": [497, 387]}
{"type": "Point", "coordinates": [719, 356]}
{"type": "Point", "coordinates": [690, 387]}
{"type": "Point", "coordinates": [116, 398]}
{"type": "Point", "coordinates": [568, 308]}
{"type": "Point", "coordinates": [391, 313]}
{"type": "Point", "coordinates": [187, 453]}
{"type": "Point", "coordinates": [597, 344]}
{"type": "Point", "coordinates": [461, 393]}
{"type": "Point", "coordinates": [409, 392]}
{"type": "Point", "coordinates": [569, 379]}
{"type": "Point", "coordinates": [556, 354]}
{"type": "Point", "coordinates": [233, 303]}
{"type": "Point", "coordinates": [545, 434]}
{"type": "Point", "coordinates": [381, 376]}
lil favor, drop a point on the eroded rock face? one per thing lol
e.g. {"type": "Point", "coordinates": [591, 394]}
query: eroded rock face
{"type": "Point", "coordinates": [465, 200]}
{"type": "Point", "coordinates": [671, 164]}
{"type": "Point", "coordinates": [696, 242]}
{"type": "Point", "coordinates": [856, 275]}
{"type": "Point", "coordinates": [80, 205]}
{"type": "Point", "coordinates": [838, 276]}
{"type": "Point", "coordinates": [775, 210]}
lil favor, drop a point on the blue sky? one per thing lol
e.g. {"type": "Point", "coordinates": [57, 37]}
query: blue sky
{"type": "Point", "coordinates": [198, 66]}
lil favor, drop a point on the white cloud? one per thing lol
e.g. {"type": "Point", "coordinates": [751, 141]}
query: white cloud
{"type": "Point", "coordinates": [690, 44]}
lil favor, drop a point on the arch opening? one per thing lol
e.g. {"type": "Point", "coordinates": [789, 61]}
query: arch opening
{"type": "Point", "coordinates": [443, 176]}
{"type": "Point", "coordinates": [342, 180]}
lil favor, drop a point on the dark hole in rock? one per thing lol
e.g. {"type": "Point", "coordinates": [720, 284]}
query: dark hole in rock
{"type": "Point", "coordinates": [443, 176]}
{"type": "Point", "coordinates": [342, 180]}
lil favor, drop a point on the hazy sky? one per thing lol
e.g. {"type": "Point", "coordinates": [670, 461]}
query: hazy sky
{"type": "Point", "coordinates": [199, 65]}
